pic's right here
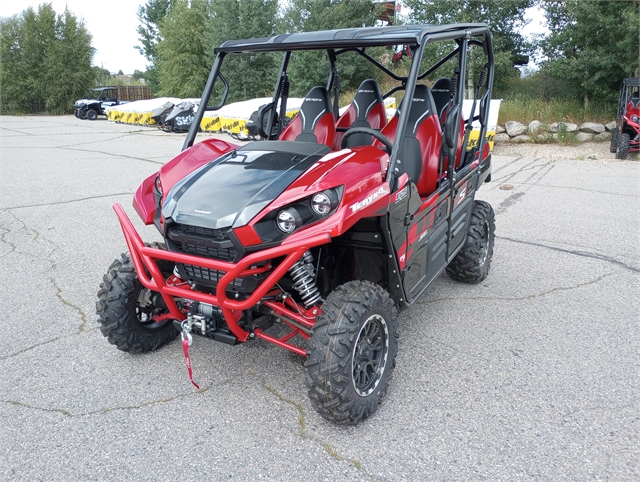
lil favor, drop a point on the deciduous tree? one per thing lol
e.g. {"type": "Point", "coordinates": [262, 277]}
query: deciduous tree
{"type": "Point", "coordinates": [593, 45]}
{"type": "Point", "coordinates": [182, 62]}
{"type": "Point", "coordinates": [46, 61]}
{"type": "Point", "coordinates": [504, 17]}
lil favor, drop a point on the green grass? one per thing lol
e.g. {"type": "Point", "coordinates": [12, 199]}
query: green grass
{"type": "Point", "coordinates": [525, 109]}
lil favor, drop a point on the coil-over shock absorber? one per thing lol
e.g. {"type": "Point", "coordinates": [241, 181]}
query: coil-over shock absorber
{"type": "Point", "coordinates": [302, 274]}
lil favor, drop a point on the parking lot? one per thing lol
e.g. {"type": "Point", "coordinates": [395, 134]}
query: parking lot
{"type": "Point", "coordinates": [532, 374]}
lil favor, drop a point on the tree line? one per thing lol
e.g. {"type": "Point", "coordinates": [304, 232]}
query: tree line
{"type": "Point", "coordinates": [591, 47]}
{"type": "Point", "coordinates": [45, 61]}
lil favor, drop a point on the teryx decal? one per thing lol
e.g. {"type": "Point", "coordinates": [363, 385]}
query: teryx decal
{"type": "Point", "coordinates": [369, 199]}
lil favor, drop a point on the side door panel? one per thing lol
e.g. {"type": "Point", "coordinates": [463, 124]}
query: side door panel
{"type": "Point", "coordinates": [426, 241]}
{"type": "Point", "coordinates": [464, 194]}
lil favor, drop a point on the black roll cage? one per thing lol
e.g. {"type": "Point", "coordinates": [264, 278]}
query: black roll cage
{"type": "Point", "coordinates": [338, 42]}
{"type": "Point", "coordinates": [627, 84]}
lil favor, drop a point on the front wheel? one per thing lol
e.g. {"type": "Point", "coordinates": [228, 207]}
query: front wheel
{"type": "Point", "coordinates": [615, 134]}
{"type": "Point", "coordinates": [92, 114]}
{"type": "Point", "coordinates": [352, 352]}
{"type": "Point", "coordinates": [127, 311]}
{"type": "Point", "coordinates": [624, 142]}
{"type": "Point", "coordinates": [471, 264]}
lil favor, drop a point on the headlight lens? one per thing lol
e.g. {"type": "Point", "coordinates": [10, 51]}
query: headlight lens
{"type": "Point", "coordinates": [321, 204]}
{"type": "Point", "coordinates": [324, 202]}
{"type": "Point", "coordinates": [634, 118]}
{"type": "Point", "coordinates": [288, 220]}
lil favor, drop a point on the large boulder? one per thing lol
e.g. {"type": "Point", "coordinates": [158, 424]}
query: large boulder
{"type": "Point", "coordinates": [504, 137]}
{"type": "Point", "coordinates": [521, 138]}
{"type": "Point", "coordinates": [610, 126]}
{"type": "Point", "coordinates": [535, 127]}
{"type": "Point", "coordinates": [584, 136]}
{"type": "Point", "coordinates": [603, 136]}
{"type": "Point", "coordinates": [569, 126]}
{"type": "Point", "coordinates": [592, 128]}
{"type": "Point", "coordinates": [515, 128]}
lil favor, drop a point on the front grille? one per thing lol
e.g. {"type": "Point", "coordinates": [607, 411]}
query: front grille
{"type": "Point", "coordinates": [225, 254]}
{"type": "Point", "coordinates": [215, 234]}
{"type": "Point", "coordinates": [208, 276]}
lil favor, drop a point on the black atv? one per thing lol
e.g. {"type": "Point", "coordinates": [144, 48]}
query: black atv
{"type": "Point", "coordinates": [95, 102]}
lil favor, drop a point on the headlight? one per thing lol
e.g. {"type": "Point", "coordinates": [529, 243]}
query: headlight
{"type": "Point", "coordinates": [324, 202]}
{"type": "Point", "coordinates": [288, 220]}
{"type": "Point", "coordinates": [634, 118]}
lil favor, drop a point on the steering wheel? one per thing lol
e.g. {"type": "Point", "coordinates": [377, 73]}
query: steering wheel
{"type": "Point", "coordinates": [372, 132]}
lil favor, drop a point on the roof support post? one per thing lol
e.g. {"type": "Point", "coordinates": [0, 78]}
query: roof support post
{"type": "Point", "coordinates": [404, 114]}
{"type": "Point", "coordinates": [206, 95]}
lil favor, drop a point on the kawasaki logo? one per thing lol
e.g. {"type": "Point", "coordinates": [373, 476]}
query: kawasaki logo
{"type": "Point", "coordinates": [201, 212]}
{"type": "Point", "coordinates": [369, 199]}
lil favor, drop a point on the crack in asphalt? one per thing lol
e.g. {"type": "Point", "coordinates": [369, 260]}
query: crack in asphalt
{"type": "Point", "coordinates": [16, 130]}
{"type": "Point", "coordinates": [69, 201]}
{"type": "Point", "coordinates": [46, 342]}
{"type": "Point", "coordinates": [527, 167]}
{"type": "Point", "coordinates": [106, 410]}
{"type": "Point", "coordinates": [111, 154]}
{"type": "Point", "coordinates": [520, 298]}
{"type": "Point", "coordinates": [584, 254]}
{"type": "Point", "coordinates": [580, 189]}
{"type": "Point", "coordinates": [97, 141]}
{"type": "Point", "coordinates": [54, 282]}
{"type": "Point", "coordinates": [306, 436]}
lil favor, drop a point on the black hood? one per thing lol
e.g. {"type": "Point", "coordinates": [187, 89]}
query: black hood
{"type": "Point", "coordinates": [231, 190]}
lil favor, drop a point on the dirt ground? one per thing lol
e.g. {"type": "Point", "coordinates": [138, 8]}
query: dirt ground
{"type": "Point", "coordinates": [587, 150]}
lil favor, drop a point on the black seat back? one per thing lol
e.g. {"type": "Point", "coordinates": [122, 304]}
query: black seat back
{"type": "Point", "coordinates": [411, 152]}
{"type": "Point", "coordinates": [441, 92]}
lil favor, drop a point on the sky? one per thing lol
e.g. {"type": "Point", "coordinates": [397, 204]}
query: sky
{"type": "Point", "coordinates": [113, 24]}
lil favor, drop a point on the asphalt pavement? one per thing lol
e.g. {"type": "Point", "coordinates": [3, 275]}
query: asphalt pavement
{"type": "Point", "coordinates": [532, 374]}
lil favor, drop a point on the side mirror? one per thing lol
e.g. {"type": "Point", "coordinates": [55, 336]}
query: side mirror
{"type": "Point", "coordinates": [451, 125]}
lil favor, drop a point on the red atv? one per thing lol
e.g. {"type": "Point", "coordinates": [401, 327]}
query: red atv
{"type": "Point", "coordinates": [315, 236]}
{"type": "Point", "coordinates": [625, 138]}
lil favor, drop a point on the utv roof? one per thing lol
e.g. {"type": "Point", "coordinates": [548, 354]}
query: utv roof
{"type": "Point", "coordinates": [97, 89]}
{"type": "Point", "coordinates": [632, 82]}
{"type": "Point", "coordinates": [353, 38]}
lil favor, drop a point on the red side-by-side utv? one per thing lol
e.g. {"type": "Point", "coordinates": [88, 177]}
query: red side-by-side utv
{"type": "Point", "coordinates": [315, 236]}
{"type": "Point", "coordinates": [625, 137]}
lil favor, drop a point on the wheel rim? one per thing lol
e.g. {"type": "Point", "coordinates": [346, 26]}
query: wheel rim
{"type": "Point", "coordinates": [369, 357]}
{"type": "Point", "coordinates": [484, 236]}
{"type": "Point", "coordinates": [148, 308]}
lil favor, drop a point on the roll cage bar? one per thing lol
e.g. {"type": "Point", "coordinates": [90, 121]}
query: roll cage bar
{"type": "Point", "coordinates": [338, 42]}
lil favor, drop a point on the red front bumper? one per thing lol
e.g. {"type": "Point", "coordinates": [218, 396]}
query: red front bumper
{"type": "Point", "coordinates": [144, 259]}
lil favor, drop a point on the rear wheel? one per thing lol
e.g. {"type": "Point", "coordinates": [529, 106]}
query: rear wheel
{"type": "Point", "coordinates": [615, 134]}
{"type": "Point", "coordinates": [127, 310]}
{"type": "Point", "coordinates": [624, 142]}
{"type": "Point", "coordinates": [92, 114]}
{"type": "Point", "coordinates": [352, 352]}
{"type": "Point", "coordinates": [471, 264]}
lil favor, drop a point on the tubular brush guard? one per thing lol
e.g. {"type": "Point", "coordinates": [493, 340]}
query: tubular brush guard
{"type": "Point", "coordinates": [144, 259]}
